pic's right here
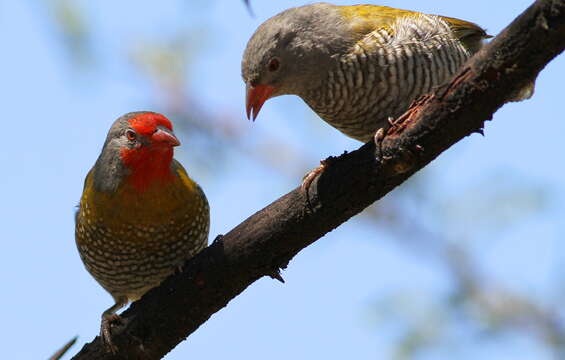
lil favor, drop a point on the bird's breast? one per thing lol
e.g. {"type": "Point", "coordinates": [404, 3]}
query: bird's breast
{"type": "Point", "coordinates": [130, 241]}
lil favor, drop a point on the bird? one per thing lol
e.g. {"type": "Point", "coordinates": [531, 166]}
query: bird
{"type": "Point", "coordinates": [140, 214]}
{"type": "Point", "coordinates": [359, 66]}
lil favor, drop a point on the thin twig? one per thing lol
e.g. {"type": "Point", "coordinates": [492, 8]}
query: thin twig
{"type": "Point", "coordinates": [62, 351]}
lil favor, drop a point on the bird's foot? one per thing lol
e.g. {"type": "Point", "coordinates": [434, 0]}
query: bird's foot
{"type": "Point", "coordinates": [380, 135]}
{"type": "Point", "coordinates": [106, 331]}
{"type": "Point", "coordinates": [378, 139]}
{"type": "Point", "coordinates": [311, 175]}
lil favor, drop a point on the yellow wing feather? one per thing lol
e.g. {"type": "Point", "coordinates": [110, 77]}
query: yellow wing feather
{"type": "Point", "coordinates": [365, 19]}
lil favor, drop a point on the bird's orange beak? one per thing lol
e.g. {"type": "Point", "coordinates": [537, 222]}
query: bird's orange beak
{"type": "Point", "coordinates": [165, 137]}
{"type": "Point", "coordinates": [255, 98]}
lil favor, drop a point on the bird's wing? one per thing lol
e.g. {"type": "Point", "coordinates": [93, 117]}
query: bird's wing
{"type": "Point", "coordinates": [183, 175]}
{"type": "Point", "coordinates": [366, 19]}
{"type": "Point", "coordinates": [469, 33]}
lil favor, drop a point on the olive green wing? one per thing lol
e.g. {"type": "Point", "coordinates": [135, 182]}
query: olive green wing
{"type": "Point", "coordinates": [365, 19]}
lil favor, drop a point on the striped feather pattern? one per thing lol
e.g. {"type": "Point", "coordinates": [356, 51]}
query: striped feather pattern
{"type": "Point", "coordinates": [385, 72]}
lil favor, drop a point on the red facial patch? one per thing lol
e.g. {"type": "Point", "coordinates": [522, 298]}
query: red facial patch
{"type": "Point", "coordinates": [148, 164]}
{"type": "Point", "coordinates": [146, 123]}
{"type": "Point", "coordinates": [148, 167]}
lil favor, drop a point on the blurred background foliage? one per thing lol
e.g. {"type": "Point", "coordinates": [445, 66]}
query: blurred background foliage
{"type": "Point", "coordinates": [474, 261]}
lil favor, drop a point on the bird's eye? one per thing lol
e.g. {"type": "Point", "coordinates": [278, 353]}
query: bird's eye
{"type": "Point", "coordinates": [131, 135]}
{"type": "Point", "coordinates": [274, 65]}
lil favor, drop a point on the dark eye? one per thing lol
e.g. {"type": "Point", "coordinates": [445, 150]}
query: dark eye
{"type": "Point", "coordinates": [274, 65]}
{"type": "Point", "coordinates": [131, 135]}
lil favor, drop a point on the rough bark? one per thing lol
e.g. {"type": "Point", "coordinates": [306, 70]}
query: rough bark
{"type": "Point", "coordinates": [269, 239]}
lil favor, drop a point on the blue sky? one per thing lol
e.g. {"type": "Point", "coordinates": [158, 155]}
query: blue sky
{"type": "Point", "coordinates": [55, 118]}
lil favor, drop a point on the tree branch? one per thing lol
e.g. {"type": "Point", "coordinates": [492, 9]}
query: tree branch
{"type": "Point", "coordinates": [269, 239]}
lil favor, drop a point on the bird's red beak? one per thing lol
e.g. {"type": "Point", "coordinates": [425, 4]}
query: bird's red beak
{"type": "Point", "coordinates": [256, 97]}
{"type": "Point", "coordinates": [165, 137]}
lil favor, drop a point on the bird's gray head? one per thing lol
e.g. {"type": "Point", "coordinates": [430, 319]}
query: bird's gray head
{"type": "Point", "coordinates": [291, 52]}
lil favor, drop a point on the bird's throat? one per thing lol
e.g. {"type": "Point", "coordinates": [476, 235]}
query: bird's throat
{"type": "Point", "coordinates": [148, 167]}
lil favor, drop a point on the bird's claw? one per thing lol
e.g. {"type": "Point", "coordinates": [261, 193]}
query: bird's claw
{"type": "Point", "coordinates": [311, 175]}
{"type": "Point", "coordinates": [106, 331]}
{"type": "Point", "coordinates": [380, 135]}
{"type": "Point", "coordinates": [378, 139]}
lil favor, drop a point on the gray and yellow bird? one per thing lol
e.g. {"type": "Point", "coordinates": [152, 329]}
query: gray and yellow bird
{"type": "Point", "coordinates": [356, 66]}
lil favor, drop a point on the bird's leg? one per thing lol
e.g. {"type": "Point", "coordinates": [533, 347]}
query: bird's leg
{"type": "Point", "coordinates": [312, 174]}
{"type": "Point", "coordinates": [110, 317]}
